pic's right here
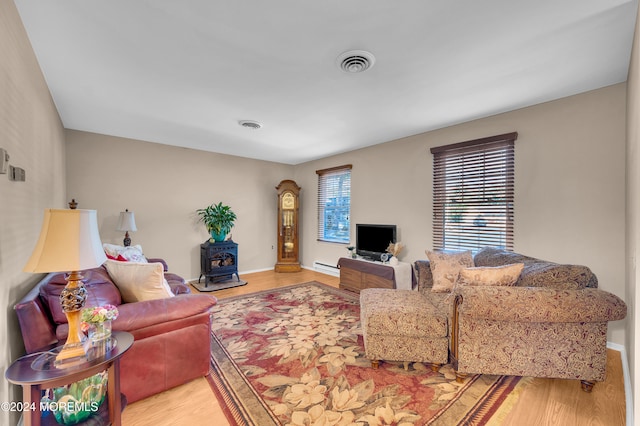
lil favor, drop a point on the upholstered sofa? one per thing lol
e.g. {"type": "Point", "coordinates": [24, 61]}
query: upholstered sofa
{"type": "Point", "coordinates": [171, 335]}
{"type": "Point", "coordinates": [552, 322]}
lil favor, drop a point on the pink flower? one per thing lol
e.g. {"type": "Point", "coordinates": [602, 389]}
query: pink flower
{"type": "Point", "coordinates": [99, 314]}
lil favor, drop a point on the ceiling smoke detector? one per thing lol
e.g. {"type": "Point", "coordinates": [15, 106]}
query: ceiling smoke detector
{"type": "Point", "coordinates": [355, 61]}
{"type": "Point", "coordinates": [250, 124]}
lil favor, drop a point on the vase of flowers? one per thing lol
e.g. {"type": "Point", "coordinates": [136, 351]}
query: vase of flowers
{"type": "Point", "coordinates": [394, 250]}
{"type": "Point", "coordinates": [100, 330]}
{"type": "Point", "coordinates": [97, 321]}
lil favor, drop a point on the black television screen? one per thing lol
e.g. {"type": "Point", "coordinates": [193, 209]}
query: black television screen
{"type": "Point", "coordinates": [373, 240]}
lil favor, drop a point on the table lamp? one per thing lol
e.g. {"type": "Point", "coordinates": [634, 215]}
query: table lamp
{"type": "Point", "coordinates": [69, 242]}
{"type": "Point", "coordinates": [127, 223]}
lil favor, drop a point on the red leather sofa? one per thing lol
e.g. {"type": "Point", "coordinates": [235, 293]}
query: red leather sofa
{"type": "Point", "coordinates": [172, 336]}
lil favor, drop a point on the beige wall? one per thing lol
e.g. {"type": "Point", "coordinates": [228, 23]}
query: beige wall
{"type": "Point", "coordinates": [633, 216]}
{"type": "Point", "coordinates": [570, 180]}
{"type": "Point", "coordinates": [164, 185]}
{"type": "Point", "coordinates": [31, 131]}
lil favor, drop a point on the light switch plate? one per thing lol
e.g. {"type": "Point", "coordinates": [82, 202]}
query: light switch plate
{"type": "Point", "coordinates": [4, 161]}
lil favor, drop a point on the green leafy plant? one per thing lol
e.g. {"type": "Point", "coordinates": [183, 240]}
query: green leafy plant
{"type": "Point", "coordinates": [218, 218]}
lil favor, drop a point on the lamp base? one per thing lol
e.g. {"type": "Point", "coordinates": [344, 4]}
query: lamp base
{"type": "Point", "coordinates": [72, 298]}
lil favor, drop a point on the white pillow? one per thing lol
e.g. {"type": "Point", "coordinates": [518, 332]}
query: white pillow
{"type": "Point", "coordinates": [131, 253]}
{"type": "Point", "coordinates": [139, 281]}
{"type": "Point", "coordinates": [505, 275]}
{"type": "Point", "coordinates": [111, 249]}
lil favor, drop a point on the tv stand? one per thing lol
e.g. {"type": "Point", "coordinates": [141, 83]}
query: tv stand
{"type": "Point", "coordinates": [357, 274]}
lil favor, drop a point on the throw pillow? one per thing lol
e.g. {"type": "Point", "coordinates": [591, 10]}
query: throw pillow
{"type": "Point", "coordinates": [130, 254]}
{"type": "Point", "coordinates": [139, 281]}
{"type": "Point", "coordinates": [446, 266]}
{"type": "Point", "coordinates": [119, 258]}
{"type": "Point", "coordinates": [505, 275]}
{"type": "Point", "coordinates": [112, 250]}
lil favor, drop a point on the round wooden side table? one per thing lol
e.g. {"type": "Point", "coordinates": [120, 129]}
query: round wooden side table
{"type": "Point", "coordinates": [37, 372]}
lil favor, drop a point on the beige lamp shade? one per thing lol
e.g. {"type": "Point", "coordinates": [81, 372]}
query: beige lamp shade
{"type": "Point", "coordinates": [69, 241]}
{"type": "Point", "coordinates": [127, 221]}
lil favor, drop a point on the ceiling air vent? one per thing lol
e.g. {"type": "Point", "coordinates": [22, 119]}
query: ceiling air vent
{"type": "Point", "coordinates": [355, 61]}
{"type": "Point", "coordinates": [250, 124]}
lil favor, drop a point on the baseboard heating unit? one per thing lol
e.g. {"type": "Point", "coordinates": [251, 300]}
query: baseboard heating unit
{"type": "Point", "coordinates": [325, 268]}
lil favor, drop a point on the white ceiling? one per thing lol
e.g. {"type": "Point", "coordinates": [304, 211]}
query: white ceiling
{"type": "Point", "coordinates": [184, 73]}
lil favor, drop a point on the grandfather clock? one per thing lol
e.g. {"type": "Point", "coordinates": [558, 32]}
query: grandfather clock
{"type": "Point", "coordinates": [288, 241]}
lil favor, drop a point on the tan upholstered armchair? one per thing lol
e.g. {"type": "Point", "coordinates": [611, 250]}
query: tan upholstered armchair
{"type": "Point", "coordinates": [551, 323]}
{"type": "Point", "coordinates": [539, 332]}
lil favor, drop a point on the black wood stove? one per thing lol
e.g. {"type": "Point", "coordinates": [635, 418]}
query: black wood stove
{"type": "Point", "coordinates": [218, 261]}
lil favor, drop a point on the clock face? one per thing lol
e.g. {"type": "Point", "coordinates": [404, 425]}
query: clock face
{"type": "Point", "coordinates": [288, 201]}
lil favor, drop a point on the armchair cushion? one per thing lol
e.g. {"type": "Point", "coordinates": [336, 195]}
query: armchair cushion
{"type": "Point", "coordinates": [539, 273]}
{"type": "Point", "coordinates": [546, 274]}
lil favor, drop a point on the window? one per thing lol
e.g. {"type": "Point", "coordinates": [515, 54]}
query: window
{"type": "Point", "coordinates": [473, 186]}
{"type": "Point", "coordinates": [334, 204]}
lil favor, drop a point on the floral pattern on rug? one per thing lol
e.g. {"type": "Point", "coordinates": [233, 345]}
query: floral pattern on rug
{"type": "Point", "coordinates": [301, 348]}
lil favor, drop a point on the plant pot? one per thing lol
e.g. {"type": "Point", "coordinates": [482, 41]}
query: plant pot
{"type": "Point", "coordinates": [218, 237]}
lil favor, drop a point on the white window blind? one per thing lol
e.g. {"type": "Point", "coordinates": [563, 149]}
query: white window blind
{"type": "Point", "coordinates": [473, 194]}
{"type": "Point", "coordinates": [334, 204]}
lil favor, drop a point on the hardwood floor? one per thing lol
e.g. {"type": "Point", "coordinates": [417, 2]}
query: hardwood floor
{"type": "Point", "coordinates": [543, 402]}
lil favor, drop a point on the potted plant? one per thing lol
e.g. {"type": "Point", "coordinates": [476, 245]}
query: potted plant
{"type": "Point", "coordinates": [218, 219]}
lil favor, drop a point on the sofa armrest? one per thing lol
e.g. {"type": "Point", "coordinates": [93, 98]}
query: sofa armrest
{"type": "Point", "coordinates": [535, 304]}
{"type": "Point", "coordinates": [37, 331]}
{"type": "Point", "coordinates": [138, 315]}
{"type": "Point", "coordinates": [35, 319]}
{"type": "Point", "coordinates": [158, 260]}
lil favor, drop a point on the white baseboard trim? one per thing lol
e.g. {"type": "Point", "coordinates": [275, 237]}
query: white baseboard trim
{"type": "Point", "coordinates": [331, 270]}
{"type": "Point", "coordinates": [325, 268]}
{"type": "Point", "coordinates": [628, 392]}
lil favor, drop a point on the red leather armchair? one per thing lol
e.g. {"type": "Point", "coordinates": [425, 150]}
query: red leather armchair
{"type": "Point", "coordinates": [171, 336]}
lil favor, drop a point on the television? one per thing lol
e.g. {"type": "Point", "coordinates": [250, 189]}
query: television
{"type": "Point", "coordinates": [373, 240]}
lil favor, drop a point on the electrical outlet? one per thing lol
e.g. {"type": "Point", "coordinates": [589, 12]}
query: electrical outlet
{"type": "Point", "coordinates": [17, 174]}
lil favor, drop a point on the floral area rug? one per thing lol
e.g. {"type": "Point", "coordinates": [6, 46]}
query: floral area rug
{"type": "Point", "coordinates": [295, 356]}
